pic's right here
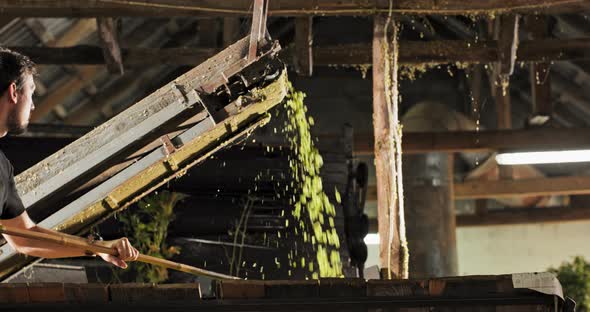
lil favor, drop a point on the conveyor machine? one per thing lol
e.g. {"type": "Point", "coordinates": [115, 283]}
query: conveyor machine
{"type": "Point", "coordinates": [155, 140]}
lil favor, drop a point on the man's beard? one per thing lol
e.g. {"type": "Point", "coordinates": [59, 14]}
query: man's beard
{"type": "Point", "coordinates": [15, 127]}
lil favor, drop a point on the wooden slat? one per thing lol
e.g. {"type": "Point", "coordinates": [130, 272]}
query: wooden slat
{"type": "Point", "coordinates": [109, 39]}
{"type": "Point", "coordinates": [486, 140]}
{"type": "Point", "coordinates": [411, 53]}
{"type": "Point", "coordinates": [576, 185]}
{"type": "Point", "coordinates": [517, 215]}
{"type": "Point", "coordinates": [89, 8]}
{"type": "Point", "coordinates": [528, 187]}
{"type": "Point", "coordinates": [533, 215]}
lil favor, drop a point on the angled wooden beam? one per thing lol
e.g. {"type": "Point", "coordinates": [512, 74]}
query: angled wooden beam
{"type": "Point", "coordinates": [81, 29]}
{"type": "Point", "coordinates": [528, 187]}
{"type": "Point", "coordinates": [482, 141]}
{"type": "Point", "coordinates": [109, 39]}
{"type": "Point", "coordinates": [518, 215]}
{"type": "Point", "coordinates": [525, 215]}
{"type": "Point", "coordinates": [81, 77]}
{"type": "Point", "coordinates": [91, 8]}
{"type": "Point", "coordinates": [303, 46]}
{"type": "Point", "coordinates": [39, 30]}
{"type": "Point", "coordinates": [411, 53]}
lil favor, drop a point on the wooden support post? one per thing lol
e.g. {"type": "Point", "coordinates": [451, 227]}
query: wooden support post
{"type": "Point", "coordinates": [109, 37]}
{"type": "Point", "coordinates": [506, 32]}
{"type": "Point", "coordinates": [540, 79]}
{"type": "Point", "coordinates": [411, 53]}
{"type": "Point", "coordinates": [384, 74]}
{"type": "Point", "coordinates": [303, 46]}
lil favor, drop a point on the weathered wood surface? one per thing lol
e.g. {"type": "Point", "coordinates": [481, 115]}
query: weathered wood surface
{"type": "Point", "coordinates": [109, 39]}
{"type": "Point", "coordinates": [384, 107]}
{"type": "Point", "coordinates": [411, 53]}
{"type": "Point", "coordinates": [89, 8]}
{"type": "Point", "coordinates": [525, 215]}
{"type": "Point", "coordinates": [117, 134]}
{"type": "Point", "coordinates": [159, 167]}
{"type": "Point", "coordinates": [574, 185]}
{"type": "Point", "coordinates": [485, 140]}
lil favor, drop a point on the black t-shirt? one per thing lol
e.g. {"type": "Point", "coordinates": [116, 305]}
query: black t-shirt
{"type": "Point", "coordinates": [11, 205]}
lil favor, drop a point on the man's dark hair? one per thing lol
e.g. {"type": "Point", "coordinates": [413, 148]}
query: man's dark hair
{"type": "Point", "coordinates": [13, 68]}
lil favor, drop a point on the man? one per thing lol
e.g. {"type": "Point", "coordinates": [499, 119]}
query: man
{"type": "Point", "coordinates": [16, 88]}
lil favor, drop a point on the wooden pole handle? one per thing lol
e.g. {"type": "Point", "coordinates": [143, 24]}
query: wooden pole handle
{"type": "Point", "coordinates": [77, 242]}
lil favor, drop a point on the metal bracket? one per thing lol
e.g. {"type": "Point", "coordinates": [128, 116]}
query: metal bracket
{"type": "Point", "coordinates": [167, 144]}
{"type": "Point", "coordinates": [189, 98]}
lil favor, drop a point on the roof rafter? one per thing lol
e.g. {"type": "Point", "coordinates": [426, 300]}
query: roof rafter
{"type": "Point", "coordinates": [89, 8]}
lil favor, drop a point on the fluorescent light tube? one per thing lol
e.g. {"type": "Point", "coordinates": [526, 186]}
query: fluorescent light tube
{"type": "Point", "coordinates": [372, 239]}
{"type": "Point", "coordinates": [555, 157]}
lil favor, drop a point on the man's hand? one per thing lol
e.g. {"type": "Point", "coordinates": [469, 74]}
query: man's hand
{"type": "Point", "coordinates": [124, 249]}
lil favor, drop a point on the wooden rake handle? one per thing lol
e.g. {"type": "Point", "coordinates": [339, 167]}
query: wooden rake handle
{"type": "Point", "coordinates": [80, 243]}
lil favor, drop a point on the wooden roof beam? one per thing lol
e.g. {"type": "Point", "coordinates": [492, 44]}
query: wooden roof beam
{"type": "Point", "coordinates": [92, 8]}
{"type": "Point", "coordinates": [411, 53]}
{"type": "Point", "coordinates": [527, 215]}
{"type": "Point", "coordinates": [485, 140]}
{"type": "Point", "coordinates": [571, 185]}
{"type": "Point", "coordinates": [575, 185]}
{"type": "Point", "coordinates": [520, 215]}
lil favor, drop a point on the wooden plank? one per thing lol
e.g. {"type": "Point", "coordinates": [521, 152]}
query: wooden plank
{"type": "Point", "coordinates": [384, 81]}
{"type": "Point", "coordinates": [90, 8]}
{"type": "Point", "coordinates": [526, 215]}
{"type": "Point", "coordinates": [575, 185]}
{"type": "Point", "coordinates": [411, 53]}
{"type": "Point", "coordinates": [479, 141]}
{"type": "Point", "coordinates": [109, 39]}
{"type": "Point", "coordinates": [159, 167]}
{"type": "Point", "coordinates": [303, 46]}
{"type": "Point", "coordinates": [83, 155]}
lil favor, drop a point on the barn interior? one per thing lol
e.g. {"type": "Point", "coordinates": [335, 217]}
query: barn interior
{"type": "Point", "coordinates": [304, 154]}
